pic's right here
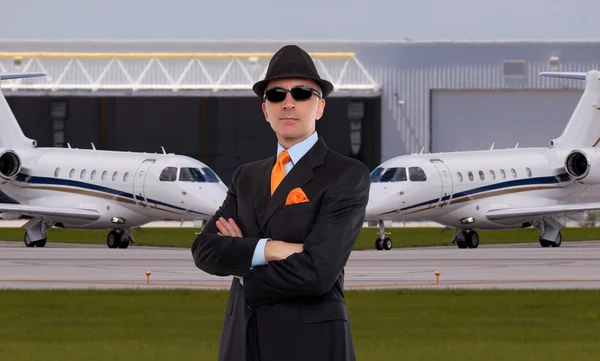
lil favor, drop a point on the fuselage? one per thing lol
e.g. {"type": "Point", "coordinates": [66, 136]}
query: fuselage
{"type": "Point", "coordinates": [134, 187]}
{"type": "Point", "coordinates": [456, 189]}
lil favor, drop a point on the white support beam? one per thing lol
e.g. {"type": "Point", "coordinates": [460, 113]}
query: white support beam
{"type": "Point", "coordinates": [176, 72]}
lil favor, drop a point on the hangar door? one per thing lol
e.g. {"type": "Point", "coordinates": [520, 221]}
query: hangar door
{"type": "Point", "coordinates": [473, 120]}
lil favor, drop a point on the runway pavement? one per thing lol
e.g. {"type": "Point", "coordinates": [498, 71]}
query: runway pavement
{"type": "Point", "coordinates": [573, 265]}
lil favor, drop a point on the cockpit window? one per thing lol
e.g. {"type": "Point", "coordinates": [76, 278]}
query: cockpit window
{"type": "Point", "coordinates": [191, 175]}
{"type": "Point", "coordinates": [375, 174]}
{"type": "Point", "coordinates": [210, 175]}
{"type": "Point", "coordinates": [169, 174]}
{"type": "Point", "coordinates": [394, 175]}
{"type": "Point", "coordinates": [416, 174]}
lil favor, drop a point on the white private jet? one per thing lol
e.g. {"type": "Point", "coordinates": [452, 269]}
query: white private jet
{"type": "Point", "coordinates": [98, 190]}
{"type": "Point", "coordinates": [495, 188]}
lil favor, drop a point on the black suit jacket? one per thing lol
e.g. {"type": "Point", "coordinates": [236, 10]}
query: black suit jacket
{"type": "Point", "coordinates": [297, 305]}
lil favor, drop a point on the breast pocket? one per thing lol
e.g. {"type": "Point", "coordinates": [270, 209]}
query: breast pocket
{"type": "Point", "coordinates": [307, 208]}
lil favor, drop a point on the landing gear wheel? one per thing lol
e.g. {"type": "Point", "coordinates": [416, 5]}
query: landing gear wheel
{"type": "Point", "coordinates": [29, 243]}
{"type": "Point", "coordinates": [113, 240]}
{"type": "Point", "coordinates": [472, 239]}
{"type": "Point", "coordinates": [462, 244]}
{"type": "Point", "coordinates": [124, 243]}
{"type": "Point", "coordinates": [379, 244]}
{"type": "Point", "coordinates": [387, 244]}
{"type": "Point", "coordinates": [546, 243]}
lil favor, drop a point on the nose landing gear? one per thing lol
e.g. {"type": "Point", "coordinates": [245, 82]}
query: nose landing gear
{"type": "Point", "coordinates": [383, 242]}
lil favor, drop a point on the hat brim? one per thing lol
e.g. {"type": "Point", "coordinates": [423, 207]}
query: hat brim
{"type": "Point", "coordinates": [259, 87]}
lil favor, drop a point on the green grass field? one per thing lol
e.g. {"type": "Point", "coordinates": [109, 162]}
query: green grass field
{"type": "Point", "coordinates": [401, 237]}
{"type": "Point", "coordinates": [387, 325]}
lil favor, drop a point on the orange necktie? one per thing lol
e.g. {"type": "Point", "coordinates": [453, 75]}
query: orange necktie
{"type": "Point", "coordinates": [278, 171]}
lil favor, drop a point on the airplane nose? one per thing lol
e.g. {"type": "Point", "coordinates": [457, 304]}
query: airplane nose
{"type": "Point", "coordinates": [218, 197]}
{"type": "Point", "coordinates": [373, 210]}
{"type": "Point", "coordinates": [381, 200]}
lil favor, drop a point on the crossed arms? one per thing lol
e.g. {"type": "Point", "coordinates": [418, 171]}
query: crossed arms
{"type": "Point", "coordinates": [292, 270]}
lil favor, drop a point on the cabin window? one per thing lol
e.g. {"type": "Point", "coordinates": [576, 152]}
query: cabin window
{"type": "Point", "coordinates": [72, 173]}
{"type": "Point", "coordinates": [470, 176]}
{"type": "Point", "coordinates": [394, 175]}
{"type": "Point", "coordinates": [93, 175]}
{"type": "Point", "coordinates": [502, 174]}
{"type": "Point", "coordinates": [528, 171]}
{"type": "Point", "coordinates": [416, 174]}
{"type": "Point", "coordinates": [82, 175]}
{"type": "Point", "coordinates": [481, 176]}
{"type": "Point", "coordinates": [115, 175]}
{"type": "Point", "coordinates": [125, 176]}
{"type": "Point", "coordinates": [191, 175]}
{"type": "Point", "coordinates": [492, 174]}
{"type": "Point", "coordinates": [460, 177]}
{"type": "Point", "coordinates": [169, 174]}
{"type": "Point", "coordinates": [104, 174]}
{"type": "Point", "coordinates": [56, 172]}
{"type": "Point", "coordinates": [513, 172]}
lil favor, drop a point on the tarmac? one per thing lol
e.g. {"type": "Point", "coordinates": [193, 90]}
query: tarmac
{"type": "Point", "coordinates": [69, 266]}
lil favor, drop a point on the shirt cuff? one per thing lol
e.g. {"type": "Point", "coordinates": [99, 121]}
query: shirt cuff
{"type": "Point", "coordinates": [258, 258]}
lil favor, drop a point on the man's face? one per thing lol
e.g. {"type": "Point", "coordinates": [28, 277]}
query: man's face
{"type": "Point", "coordinates": [293, 120]}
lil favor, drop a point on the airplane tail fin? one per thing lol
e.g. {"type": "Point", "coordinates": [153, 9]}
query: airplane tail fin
{"type": "Point", "coordinates": [11, 135]}
{"type": "Point", "coordinates": [583, 128]}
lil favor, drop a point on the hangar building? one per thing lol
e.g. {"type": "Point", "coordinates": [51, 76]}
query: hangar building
{"type": "Point", "coordinates": [391, 98]}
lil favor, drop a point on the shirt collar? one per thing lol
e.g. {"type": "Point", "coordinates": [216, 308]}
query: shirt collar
{"type": "Point", "coordinates": [298, 150]}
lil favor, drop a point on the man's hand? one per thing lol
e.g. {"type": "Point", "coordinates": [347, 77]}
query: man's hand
{"type": "Point", "coordinates": [228, 228]}
{"type": "Point", "coordinates": [279, 250]}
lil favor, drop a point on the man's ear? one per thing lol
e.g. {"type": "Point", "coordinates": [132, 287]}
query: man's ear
{"type": "Point", "coordinates": [320, 108]}
{"type": "Point", "coordinates": [264, 109]}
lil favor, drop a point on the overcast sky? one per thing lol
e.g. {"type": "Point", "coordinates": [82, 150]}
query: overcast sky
{"type": "Point", "coordinates": [300, 19]}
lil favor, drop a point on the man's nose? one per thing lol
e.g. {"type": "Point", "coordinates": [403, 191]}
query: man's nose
{"type": "Point", "coordinates": [288, 102]}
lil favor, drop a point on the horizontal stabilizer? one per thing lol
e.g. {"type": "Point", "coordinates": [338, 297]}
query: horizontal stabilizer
{"type": "Point", "coordinates": [7, 76]}
{"type": "Point", "coordinates": [567, 75]}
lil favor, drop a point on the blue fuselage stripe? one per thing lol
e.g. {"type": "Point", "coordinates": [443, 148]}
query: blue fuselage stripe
{"type": "Point", "coordinates": [77, 184]}
{"type": "Point", "coordinates": [491, 187]}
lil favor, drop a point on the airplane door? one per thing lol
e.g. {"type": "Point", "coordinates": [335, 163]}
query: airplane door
{"type": "Point", "coordinates": [446, 181]}
{"type": "Point", "coordinates": [138, 183]}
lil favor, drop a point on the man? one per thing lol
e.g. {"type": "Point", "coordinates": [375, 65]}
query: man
{"type": "Point", "coordinates": [286, 229]}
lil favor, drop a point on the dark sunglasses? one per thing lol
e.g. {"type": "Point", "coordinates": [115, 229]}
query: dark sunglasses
{"type": "Point", "coordinates": [300, 92]}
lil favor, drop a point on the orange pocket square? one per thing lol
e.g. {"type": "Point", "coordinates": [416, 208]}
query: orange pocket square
{"type": "Point", "coordinates": [296, 196]}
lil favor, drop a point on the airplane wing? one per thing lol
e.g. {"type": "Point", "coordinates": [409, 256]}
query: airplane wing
{"type": "Point", "coordinates": [522, 212]}
{"type": "Point", "coordinates": [31, 210]}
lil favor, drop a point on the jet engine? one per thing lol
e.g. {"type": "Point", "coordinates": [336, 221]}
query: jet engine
{"type": "Point", "coordinates": [10, 164]}
{"type": "Point", "coordinates": [583, 165]}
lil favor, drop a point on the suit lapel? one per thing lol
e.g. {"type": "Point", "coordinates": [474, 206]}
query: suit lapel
{"type": "Point", "coordinates": [300, 174]}
{"type": "Point", "coordinates": [261, 186]}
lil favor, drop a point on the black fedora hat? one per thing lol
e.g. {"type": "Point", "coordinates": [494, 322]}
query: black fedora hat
{"type": "Point", "coordinates": [292, 62]}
